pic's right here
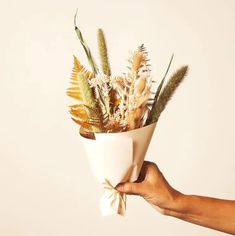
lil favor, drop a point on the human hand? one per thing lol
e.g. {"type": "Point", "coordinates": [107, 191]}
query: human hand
{"type": "Point", "coordinates": [153, 187]}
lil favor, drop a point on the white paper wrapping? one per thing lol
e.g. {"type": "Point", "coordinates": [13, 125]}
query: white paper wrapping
{"type": "Point", "coordinates": [116, 158]}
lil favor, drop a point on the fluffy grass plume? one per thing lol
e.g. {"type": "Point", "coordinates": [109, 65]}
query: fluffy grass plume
{"type": "Point", "coordinates": [103, 53]}
{"type": "Point", "coordinates": [167, 93]}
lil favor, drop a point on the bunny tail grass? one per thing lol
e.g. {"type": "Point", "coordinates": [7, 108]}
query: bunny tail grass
{"type": "Point", "coordinates": [103, 53]}
{"type": "Point", "coordinates": [168, 92]}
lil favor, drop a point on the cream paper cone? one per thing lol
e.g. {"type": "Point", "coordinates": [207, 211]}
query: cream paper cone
{"type": "Point", "coordinates": [116, 158]}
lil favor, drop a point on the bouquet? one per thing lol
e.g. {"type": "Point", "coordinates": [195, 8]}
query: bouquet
{"type": "Point", "coordinates": [117, 115]}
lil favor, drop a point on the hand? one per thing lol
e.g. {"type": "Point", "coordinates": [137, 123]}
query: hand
{"type": "Point", "coordinates": [213, 213]}
{"type": "Point", "coordinates": [153, 187]}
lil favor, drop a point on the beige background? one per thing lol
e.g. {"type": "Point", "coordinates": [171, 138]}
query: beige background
{"type": "Point", "coordinates": [46, 186]}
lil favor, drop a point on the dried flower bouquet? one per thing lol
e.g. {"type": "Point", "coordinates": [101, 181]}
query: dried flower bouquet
{"type": "Point", "coordinates": [107, 105]}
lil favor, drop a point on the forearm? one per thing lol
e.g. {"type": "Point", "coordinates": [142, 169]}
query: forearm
{"type": "Point", "coordinates": [209, 212]}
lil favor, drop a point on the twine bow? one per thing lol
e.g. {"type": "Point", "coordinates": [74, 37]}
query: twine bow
{"type": "Point", "coordinates": [117, 199]}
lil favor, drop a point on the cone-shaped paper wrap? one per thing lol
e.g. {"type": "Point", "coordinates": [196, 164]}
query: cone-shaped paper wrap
{"type": "Point", "coordinates": [116, 158]}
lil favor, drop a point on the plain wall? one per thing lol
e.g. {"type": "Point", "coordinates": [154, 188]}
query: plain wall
{"type": "Point", "coordinates": [46, 185]}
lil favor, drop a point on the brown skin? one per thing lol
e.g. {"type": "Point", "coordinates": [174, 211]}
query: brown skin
{"type": "Point", "coordinates": [213, 213]}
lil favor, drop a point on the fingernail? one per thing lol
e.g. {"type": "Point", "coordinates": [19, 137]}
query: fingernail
{"type": "Point", "coordinates": [119, 187]}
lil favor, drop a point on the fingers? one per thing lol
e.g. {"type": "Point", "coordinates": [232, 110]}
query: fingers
{"type": "Point", "coordinates": [140, 187]}
{"type": "Point", "coordinates": [131, 188]}
{"type": "Point", "coordinates": [143, 172]}
{"type": "Point", "coordinates": [148, 170]}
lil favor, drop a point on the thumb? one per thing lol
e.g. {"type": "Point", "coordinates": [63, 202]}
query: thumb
{"type": "Point", "coordinates": [131, 188]}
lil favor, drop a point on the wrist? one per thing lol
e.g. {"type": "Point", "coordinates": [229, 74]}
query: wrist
{"type": "Point", "coordinates": [177, 203]}
{"type": "Point", "coordinates": [182, 206]}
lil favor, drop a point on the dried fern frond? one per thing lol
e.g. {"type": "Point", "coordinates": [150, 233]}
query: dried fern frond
{"type": "Point", "coordinates": [79, 112]}
{"type": "Point", "coordinates": [167, 93]}
{"type": "Point", "coordinates": [85, 47]}
{"type": "Point", "coordinates": [97, 118]}
{"type": "Point", "coordinates": [90, 119]}
{"type": "Point", "coordinates": [81, 90]}
{"type": "Point", "coordinates": [83, 93]}
{"type": "Point", "coordinates": [82, 120]}
{"type": "Point", "coordinates": [83, 124]}
{"type": "Point", "coordinates": [78, 67]}
{"type": "Point", "coordinates": [103, 53]}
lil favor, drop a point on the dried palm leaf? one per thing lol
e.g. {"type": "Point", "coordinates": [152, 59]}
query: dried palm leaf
{"type": "Point", "coordinates": [85, 47]}
{"type": "Point", "coordinates": [86, 133]}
